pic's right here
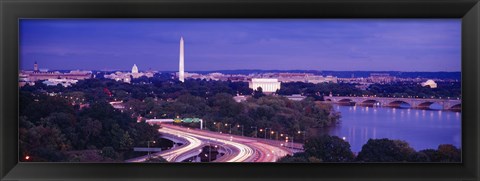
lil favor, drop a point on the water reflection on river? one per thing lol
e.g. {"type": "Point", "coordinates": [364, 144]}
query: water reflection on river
{"type": "Point", "coordinates": [422, 129]}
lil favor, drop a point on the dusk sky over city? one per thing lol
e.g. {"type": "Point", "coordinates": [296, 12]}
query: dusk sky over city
{"type": "Point", "coordinates": [229, 44]}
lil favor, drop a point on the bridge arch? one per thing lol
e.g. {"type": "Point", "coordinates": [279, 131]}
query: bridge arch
{"type": "Point", "coordinates": [398, 104]}
{"type": "Point", "coordinates": [425, 105]}
{"type": "Point", "coordinates": [346, 102]}
{"type": "Point", "coordinates": [456, 107]}
{"type": "Point", "coordinates": [371, 102]}
{"type": "Point", "coordinates": [430, 105]}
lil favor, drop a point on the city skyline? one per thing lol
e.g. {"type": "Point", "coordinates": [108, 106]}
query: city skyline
{"type": "Point", "coordinates": [433, 45]}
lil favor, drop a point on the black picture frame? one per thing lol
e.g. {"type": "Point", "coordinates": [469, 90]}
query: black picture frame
{"type": "Point", "coordinates": [12, 10]}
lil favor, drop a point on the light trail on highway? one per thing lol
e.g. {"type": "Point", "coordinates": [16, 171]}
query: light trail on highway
{"type": "Point", "coordinates": [246, 149]}
{"type": "Point", "coordinates": [170, 155]}
{"type": "Point", "coordinates": [237, 148]}
{"type": "Point", "coordinates": [193, 144]}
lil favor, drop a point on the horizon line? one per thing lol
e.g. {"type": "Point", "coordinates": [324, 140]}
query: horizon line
{"type": "Point", "coordinates": [253, 70]}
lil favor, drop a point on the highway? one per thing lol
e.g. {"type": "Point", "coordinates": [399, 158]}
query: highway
{"type": "Point", "coordinates": [239, 149]}
{"type": "Point", "coordinates": [171, 155]}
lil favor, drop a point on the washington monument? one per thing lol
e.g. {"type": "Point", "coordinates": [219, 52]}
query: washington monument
{"type": "Point", "coordinates": [181, 72]}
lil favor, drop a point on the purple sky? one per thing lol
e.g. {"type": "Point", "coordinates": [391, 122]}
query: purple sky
{"type": "Point", "coordinates": [226, 44]}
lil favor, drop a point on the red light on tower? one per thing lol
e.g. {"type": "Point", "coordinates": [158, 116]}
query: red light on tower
{"type": "Point", "coordinates": [27, 157]}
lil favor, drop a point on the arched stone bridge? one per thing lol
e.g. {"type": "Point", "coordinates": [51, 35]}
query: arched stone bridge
{"type": "Point", "coordinates": [447, 104]}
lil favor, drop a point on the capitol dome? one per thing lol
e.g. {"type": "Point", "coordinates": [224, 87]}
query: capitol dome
{"type": "Point", "coordinates": [134, 69]}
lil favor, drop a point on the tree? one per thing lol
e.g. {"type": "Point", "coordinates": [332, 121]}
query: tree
{"type": "Point", "coordinates": [157, 159]}
{"type": "Point", "coordinates": [116, 136]}
{"type": "Point", "coordinates": [385, 150]}
{"type": "Point", "coordinates": [225, 106]}
{"type": "Point", "coordinates": [109, 153]}
{"type": "Point", "coordinates": [449, 153]}
{"type": "Point", "coordinates": [329, 149]}
{"type": "Point", "coordinates": [444, 153]}
{"type": "Point", "coordinates": [258, 93]}
{"type": "Point", "coordinates": [126, 142]}
{"type": "Point", "coordinates": [43, 143]}
{"type": "Point", "coordinates": [295, 158]}
{"type": "Point", "coordinates": [418, 157]}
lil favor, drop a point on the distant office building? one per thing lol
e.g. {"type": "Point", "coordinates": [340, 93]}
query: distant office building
{"type": "Point", "coordinates": [267, 85]}
{"type": "Point", "coordinates": [296, 97]}
{"type": "Point", "coordinates": [29, 77]}
{"type": "Point", "coordinates": [381, 78]}
{"type": "Point", "coordinates": [41, 75]}
{"type": "Point", "coordinates": [321, 79]}
{"type": "Point", "coordinates": [120, 76]}
{"type": "Point", "coordinates": [63, 82]}
{"type": "Point", "coordinates": [240, 98]}
{"type": "Point", "coordinates": [292, 77]}
{"type": "Point", "coordinates": [303, 77]}
{"type": "Point", "coordinates": [430, 83]}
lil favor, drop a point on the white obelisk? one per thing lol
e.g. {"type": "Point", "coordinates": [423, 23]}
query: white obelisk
{"type": "Point", "coordinates": [181, 73]}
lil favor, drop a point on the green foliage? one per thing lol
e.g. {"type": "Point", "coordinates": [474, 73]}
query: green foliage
{"type": "Point", "coordinates": [418, 157]}
{"type": "Point", "coordinates": [109, 153]}
{"type": "Point", "coordinates": [444, 153]}
{"type": "Point", "coordinates": [385, 150]}
{"type": "Point", "coordinates": [397, 89]}
{"type": "Point", "coordinates": [258, 93]}
{"type": "Point", "coordinates": [329, 149]}
{"type": "Point", "coordinates": [157, 159]}
{"type": "Point", "coordinates": [51, 129]}
{"type": "Point", "coordinates": [126, 142]}
{"type": "Point", "coordinates": [43, 143]}
{"type": "Point", "coordinates": [334, 149]}
{"type": "Point", "coordinates": [295, 158]}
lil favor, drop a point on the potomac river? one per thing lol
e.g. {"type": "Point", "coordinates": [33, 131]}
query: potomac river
{"type": "Point", "coordinates": [422, 129]}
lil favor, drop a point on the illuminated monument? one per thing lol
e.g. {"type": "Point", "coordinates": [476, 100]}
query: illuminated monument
{"type": "Point", "coordinates": [181, 73]}
{"type": "Point", "coordinates": [134, 69]}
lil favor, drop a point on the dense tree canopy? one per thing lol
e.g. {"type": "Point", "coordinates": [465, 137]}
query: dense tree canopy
{"type": "Point", "coordinates": [329, 149]}
{"type": "Point", "coordinates": [52, 129]}
{"type": "Point", "coordinates": [444, 90]}
{"type": "Point", "coordinates": [385, 150]}
{"type": "Point", "coordinates": [333, 149]}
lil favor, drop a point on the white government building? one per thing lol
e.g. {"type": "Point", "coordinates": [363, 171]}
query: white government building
{"type": "Point", "coordinates": [128, 76]}
{"type": "Point", "coordinates": [430, 83]}
{"type": "Point", "coordinates": [267, 85]}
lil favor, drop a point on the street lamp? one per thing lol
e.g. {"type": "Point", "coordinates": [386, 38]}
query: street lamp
{"type": "Point", "coordinates": [209, 152]}
{"type": "Point", "coordinates": [242, 128]}
{"type": "Point", "coordinates": [256, 134]}
{"type": "Point", "coordinates": [286, 140]}
{"type": "Point", "coordinates": [218, 127]}
{"type": "Point", "coordinates": [148, 146]}
{"type": "Point", "coordinates": [304, 135]}
{"type": "Point", "coordinates": [271, 133]}
{"type": "Point", "coordinates": [230, 130]}
{"type": "Point", "coordinates": [266, 132]}
{"type": "Point", "coordinates": [293, 139]}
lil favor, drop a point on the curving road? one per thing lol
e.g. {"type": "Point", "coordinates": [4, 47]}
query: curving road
{"type": "Point", "coordinates": [171, 155]}
{"type": "Point", "coordinates": [237, 152]}
{"type": "Point", "coordinates": [235, 148]}
{"type": "Point", "coordinates": [241, 149]}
